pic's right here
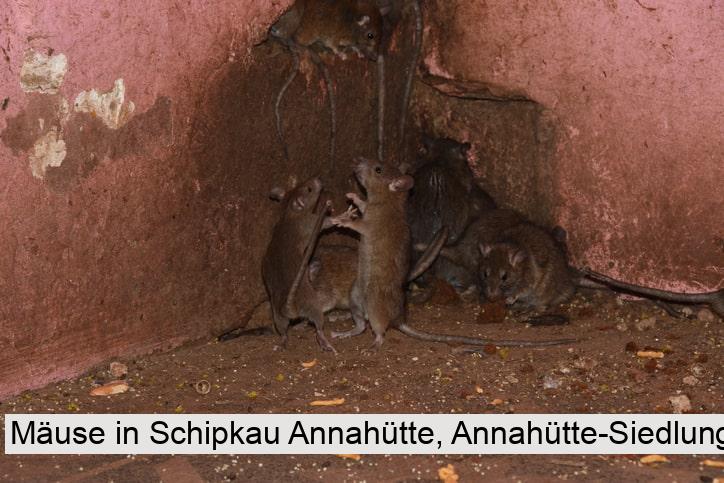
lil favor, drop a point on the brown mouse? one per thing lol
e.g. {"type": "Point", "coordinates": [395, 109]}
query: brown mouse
{"type": "Point", "coordinates": [377, 294]}
{"type": "Point", "coordinates": [525, 267]}
{"type": "Point", "coordinates": [287, 256]}
{"type": "Point", "coordinates": [331, 273]}
{"type": "Point", "coordinates": [458, 262]}
{"type": "Point", "coordinates": [313, 26]}
{"type": "Point", "coordinates": [333, 270]}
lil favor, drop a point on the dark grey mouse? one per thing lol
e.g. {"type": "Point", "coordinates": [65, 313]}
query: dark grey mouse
{"type": "Point", "coordinates": [287, 256]}
{"type": "Point", "coordinates": [342, 27]}
{"type": "Point", "coordinates": [377, 294]}
{"type": "Point", "coordinates": [446, 194]}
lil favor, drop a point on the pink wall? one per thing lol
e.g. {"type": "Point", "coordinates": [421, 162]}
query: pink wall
{"type": "Point", "coordinates": [125, 230]}
{"type": "Point", "coordinates": [635, 92]}
{"type": "Point", "coordinates": [126, 246]}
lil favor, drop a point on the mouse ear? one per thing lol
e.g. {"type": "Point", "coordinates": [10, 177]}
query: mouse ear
{"type": "Point", "coordinates": [363, 20]}
{"type": "Point", "coordinates": [385, 9]}
{"type": "Point", "coordinates": [313, 271]}
{"type": "Point", "coordinates": [516, 257]}
{"type": "Point", "coordinates": [277, 193]}
{"type": "Point", "coordinates": [402, 183]}
{"type": "Point", "coordinates": [485, 249]}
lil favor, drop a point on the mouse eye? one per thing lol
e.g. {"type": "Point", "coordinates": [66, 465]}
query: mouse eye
{"type": "Point", "coordinates": [309, 189]}
{"type": "Point", "coordinates": [486, 273]}
{"type": "Point", "coordinates": [370, 35]}
{"type": "Point", "coordinates": [504, 276]}
{"type": "Point", "coordinates": [378, 170]}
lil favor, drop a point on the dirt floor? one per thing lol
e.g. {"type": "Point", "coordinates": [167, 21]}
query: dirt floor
{"type": "Point", "coordinates": [601, 373]}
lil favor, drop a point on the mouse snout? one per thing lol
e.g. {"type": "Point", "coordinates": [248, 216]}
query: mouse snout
{"type": "Point", "coordinates": [370, 53]}
{"type": "Point", "coordinates": [493, 294]}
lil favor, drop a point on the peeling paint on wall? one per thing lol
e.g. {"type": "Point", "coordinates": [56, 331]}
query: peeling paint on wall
{"type": "Point", "coordinates": [49, 150]}
{"type": "Point", "coordinates": [43, 73]}
{"type": "Point", "coordinates": [109, 106]}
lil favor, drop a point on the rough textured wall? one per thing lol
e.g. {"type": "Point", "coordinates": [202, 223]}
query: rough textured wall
{"type": "Point", "coordinates": [116, 237]}
{"type": "Point", "coordinates": [623, 105]}
{"type": "Point", "coordinates": [137, 149]}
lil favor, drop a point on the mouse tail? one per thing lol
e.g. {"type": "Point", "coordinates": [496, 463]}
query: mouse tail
{"type": "Point", "coordinates": [327, 79]}
{"type": "Point", "coordinates": [412, 67]}
{"type": "Point", "coordinates": [380, 105]}
{"type": "Point", "coordinates": [459, 339]}
{"type": "Point", "coordinates": [676, 297]}
{"type": "Point", "coordinates": [280, 96]}
{"type": "Point", "coordinates": [239, 330]}
{"type": "Point", "coordinates": [430, 255]}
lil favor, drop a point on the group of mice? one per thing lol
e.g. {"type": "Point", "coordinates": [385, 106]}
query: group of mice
{"type": "Point", "coordinates": [448, 225]}
{"type": "Point", "coordinates": [450, 220]}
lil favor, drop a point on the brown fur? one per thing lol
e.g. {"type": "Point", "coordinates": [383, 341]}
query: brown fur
{"type": "Point", "coordinates": [377, 293]}
{"type": "Point", "coordinates": [341, 26]}
{"type": "Point", "coordinates": [286, 259]}
{"type": "Point", "coordinates": [526, 267]}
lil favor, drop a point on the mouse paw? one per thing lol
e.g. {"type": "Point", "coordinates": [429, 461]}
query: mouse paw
{"type": "Point", "coordinates": [374, 348]}
{"type": "Point", "coordinates": [346, 218]}
{"type": "Point", "coordinates": [356, 200]}
{"type": "Point", "coordinates": [325, 345]}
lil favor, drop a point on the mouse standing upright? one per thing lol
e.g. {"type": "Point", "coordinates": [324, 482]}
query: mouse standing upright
{"type": "Point", "coordinates": [287, 257]}
{"type": "Point", "coordinates": [378, 293]}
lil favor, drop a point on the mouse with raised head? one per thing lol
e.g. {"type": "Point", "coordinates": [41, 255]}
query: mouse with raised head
{"type": "Point", "coordinates": [287, 257]}
{"type": "Point", "coordinates": [377, 294]}
{"type": "Point", "coordinates": [338, 26]}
